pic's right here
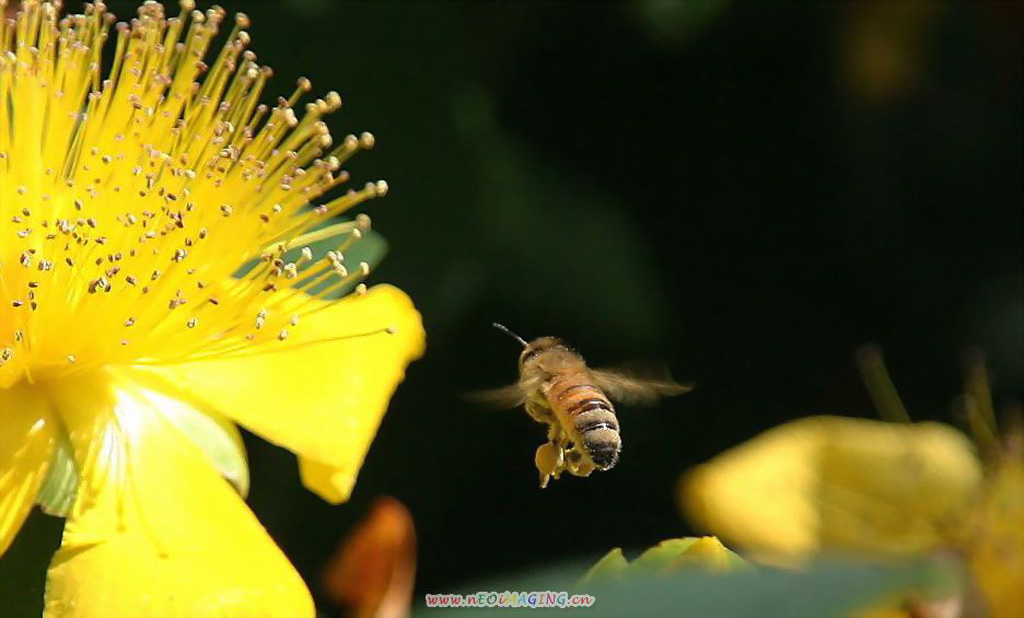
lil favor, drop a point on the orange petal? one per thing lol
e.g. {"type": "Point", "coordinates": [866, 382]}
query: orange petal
{"type": "Point", "coordinates": [374, 571]}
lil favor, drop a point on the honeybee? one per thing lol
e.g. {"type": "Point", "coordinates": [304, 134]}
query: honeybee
{"type": "Point", "coordinates": [558, 389]}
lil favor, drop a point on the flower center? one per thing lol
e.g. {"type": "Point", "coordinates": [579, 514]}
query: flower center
{"type": "Point", "coordinates": [129, 203]}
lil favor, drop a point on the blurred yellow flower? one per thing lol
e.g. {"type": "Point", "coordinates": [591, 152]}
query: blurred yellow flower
{"type": "Point", "coordinates": [875, 489]}
{"type": "Point", "coordinates": [128, 347]}
{"type": "Point", "coordinates": [831, 483]}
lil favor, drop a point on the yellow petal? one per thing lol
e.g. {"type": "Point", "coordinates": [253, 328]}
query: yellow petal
{"type": "Point", "coordinates": [27, 436]}
{"type": "Point", "coordinates": [760, 494]}
{"type": "Point", "coordinates": [154, 530]}
{"type": "Point", "coordinates": [830, 483]}
{"type": "Point", "coordinates": [321, 394]}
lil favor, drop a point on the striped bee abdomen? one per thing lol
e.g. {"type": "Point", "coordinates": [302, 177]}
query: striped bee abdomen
{"type": "Point", "coordinates": [590, 417]}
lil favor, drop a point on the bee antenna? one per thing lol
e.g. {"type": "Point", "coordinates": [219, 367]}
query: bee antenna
{"type": "Point", "coordinates": [505, 330]}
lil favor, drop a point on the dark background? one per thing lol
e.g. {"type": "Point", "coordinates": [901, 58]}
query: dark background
{"type": "Point", "coordinates": [747, 192]}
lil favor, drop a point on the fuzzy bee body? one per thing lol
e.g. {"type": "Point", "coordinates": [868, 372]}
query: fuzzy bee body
{"type": "Point", "coordinates": [558, 389]}
{"type": "Point", "coordinates": [587, 416]}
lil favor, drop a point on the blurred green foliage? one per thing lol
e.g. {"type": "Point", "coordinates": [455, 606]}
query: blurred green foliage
{"type": "Point", "coordinates": [825, 590]}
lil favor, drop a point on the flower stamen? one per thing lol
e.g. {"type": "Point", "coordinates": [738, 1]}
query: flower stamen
{"type": "Point", "coordinates": [132, 198]}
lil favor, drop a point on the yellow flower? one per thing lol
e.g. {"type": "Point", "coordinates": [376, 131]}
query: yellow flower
{"type": "Point", "coordinates": [877, 490]}
{"type": "Point", "coordinates": [842, 484]}
{"type": "Point", "coordinates": [129, 201]}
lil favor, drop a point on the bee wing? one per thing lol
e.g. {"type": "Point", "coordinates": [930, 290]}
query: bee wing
{"type": "Point", "coordinates": [510, 396]}
{"type": "Point", "coordinates": [637, 385]}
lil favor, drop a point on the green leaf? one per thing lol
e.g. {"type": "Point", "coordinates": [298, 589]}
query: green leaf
{"type": "Point", "coordinates": [824, 590]}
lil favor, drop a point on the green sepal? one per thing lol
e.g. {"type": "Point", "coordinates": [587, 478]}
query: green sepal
{"type": "Point", "coordinates": [216, 436]}
{"type": "Point", "coordinates": [663, 555]}
{"type": "Point", "coordinates": [667, 556]}
{"type": "Point", "coordinates": [57, 494]}
{"type": "Point", "coordinates": [675, 554]}
{"type": "Point", "coordinates": [370, 248]}
{"type": "Point", "coordinates": [612, 565]}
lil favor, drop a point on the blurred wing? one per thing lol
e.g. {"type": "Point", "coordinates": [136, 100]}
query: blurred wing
{"type": "Point", "coordinates": [643, 386]}
{"type": "Point", "coordinates": [510, 396]}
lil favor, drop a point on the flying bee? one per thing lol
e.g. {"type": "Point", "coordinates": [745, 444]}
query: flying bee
{"type": "Point", "coordinates": [558, 389]}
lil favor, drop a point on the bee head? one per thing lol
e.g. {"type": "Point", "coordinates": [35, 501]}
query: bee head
{"type": "Point", "coordinates": [535, 348]}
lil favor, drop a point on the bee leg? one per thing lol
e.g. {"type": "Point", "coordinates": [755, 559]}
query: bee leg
{"type": "Point", "coordinates": [577, 464]}
{"type": "Point", "coordinates": [584, 468]}
{"type": "Point", "coordinates": [540, 411]}
{"type": "Point", "coordinates": [555, 435]}
{"type": "Point", "coordinates": [550, 462]}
